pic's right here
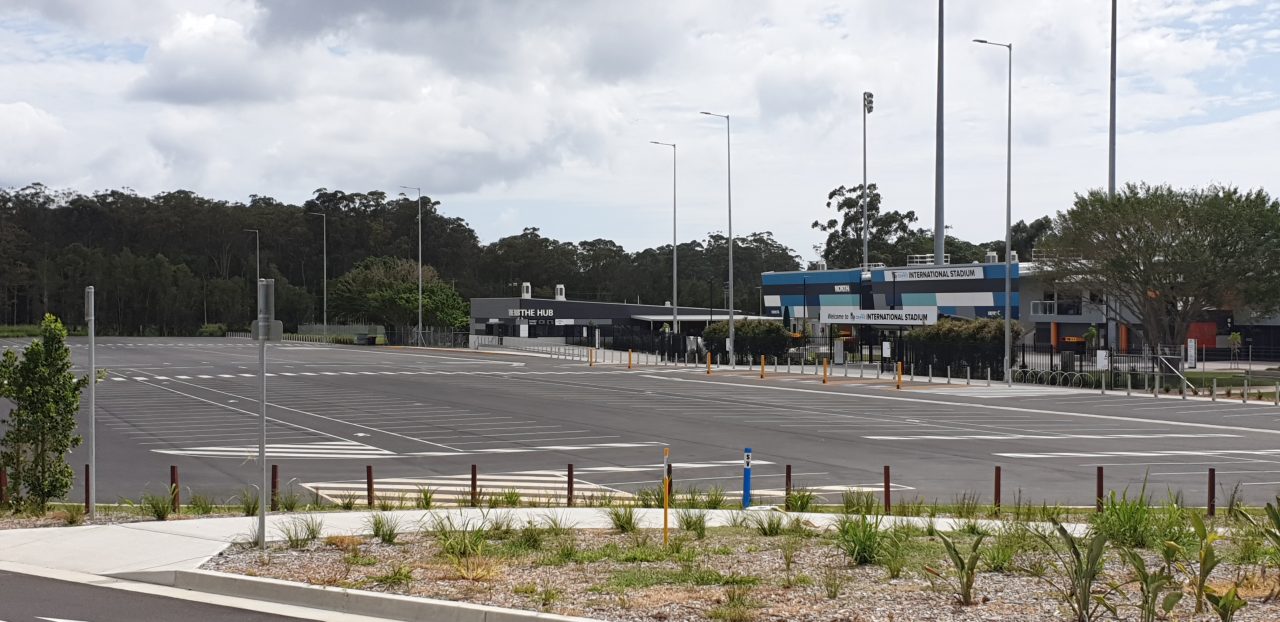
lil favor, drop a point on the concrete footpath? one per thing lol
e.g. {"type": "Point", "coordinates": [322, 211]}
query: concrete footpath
{"type": "Point", "coordinates": [166, 558]}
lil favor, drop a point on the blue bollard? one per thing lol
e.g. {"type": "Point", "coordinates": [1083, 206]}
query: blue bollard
{"type": "Point", "coordinates": [746, 478]}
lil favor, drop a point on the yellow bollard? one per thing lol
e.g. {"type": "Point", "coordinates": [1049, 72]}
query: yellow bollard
{"type": "Point", "coordinates": [628, 359]}
{"type": "Point", "coordinates": [761, 366]}
{"type": "Point", "coordinates": [708, 363]}
{"type": "Point", "coordinates": [825, 364]}
{"type": "Point", "coordinates": [591, 357]}
{"type": "Point", "coordinates": [899, 375]}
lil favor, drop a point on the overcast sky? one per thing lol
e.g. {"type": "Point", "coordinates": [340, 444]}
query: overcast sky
{"type": "Point", "coordinates": [539, 113]}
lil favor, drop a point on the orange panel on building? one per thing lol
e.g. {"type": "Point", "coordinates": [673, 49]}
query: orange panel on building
{"type": "Point", "coordinates": [1205, 333]}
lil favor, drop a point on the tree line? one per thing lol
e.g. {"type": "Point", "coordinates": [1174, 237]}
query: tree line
{"type": "Point", "coordinates": [169, 263]}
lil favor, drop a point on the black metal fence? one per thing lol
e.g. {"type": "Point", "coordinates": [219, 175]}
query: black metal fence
{"type": "Point", "coordinates": [432, 337]}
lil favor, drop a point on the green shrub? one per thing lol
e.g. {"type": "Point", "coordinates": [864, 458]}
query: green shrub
{"type": "Point", "coordinates": [158, 507]}
{"type": "Point", "coordinates": [692, 521]}
{"type": "Point", "coordinates": [1125, 521]}
{"type": "Point", "coordinates": [966, 567]}
{"type": "Point", "coordinates": [384, 527]}
{"type": "Point", "coordinates": [768, 524]}
{"type": "Point", "coordinates": [800, 500]}
{"type": "Point", "coordinates": [301, 531]}
{"type": "Point", "coordinates": [399, 576]}
{"type": "Point", "coordinates": [199, 504]}
{"type": "Point", "coordinates": [509, 498]}
{"type": "Point", "coordinates": [714, 498]}
{"type": "Point", "coordinates": [1078, 572]}
{"type": "Point", "coordinates": [623, 518]}
{"type": "Point", "coordinates": [859, 538]}
{"type": "Point", "coordinates": [426, 496]}
{"type": "Point", "coordinates": [212, 330]}
{"type": "Point", "coordinates": [460, 541]}
{"type": "Point", "coordinates": [74, 514]}
{"type": "Point", "coordinates": [249, 502]}
{"type": "Point", "coordinates": [859, 502]}
{"type": "Point", "coordinates": [649, 497]}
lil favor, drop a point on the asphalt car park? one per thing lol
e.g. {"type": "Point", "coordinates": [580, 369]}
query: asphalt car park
{"type": "Point", "coordinates": [422, 418]}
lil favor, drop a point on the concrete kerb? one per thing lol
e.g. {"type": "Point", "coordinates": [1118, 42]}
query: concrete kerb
{"type": "Point", "coordinates": [358, 602]}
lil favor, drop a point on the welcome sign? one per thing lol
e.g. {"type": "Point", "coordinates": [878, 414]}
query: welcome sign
{"type": "Point", "coordinates": [890, 317]}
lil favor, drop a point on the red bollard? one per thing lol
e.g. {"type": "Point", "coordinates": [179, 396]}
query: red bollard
{"type": "Point", "coordinates": [475, 487]}
{"type": "Point", "coordinates": [787, 499]}
{"type": "Point", "coordinates": [275, 488]}
{"type": "Point", "coordinates": [1213, 485]}
{"type": "Point", "coordinates": [888, 504]}
{"type": "Point", "coordinates": [997, 492]}
{"type": "Point", "coordinates": [368, 483]}
{"type": "Point", "coordinates": [173, 488]}
{"type": "Point", "coordinates": [569, 485]}
{"type": "Point", "coordinates": [1099, 489]}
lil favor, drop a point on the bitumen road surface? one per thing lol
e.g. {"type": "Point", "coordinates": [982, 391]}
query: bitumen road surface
{"type": "Point", "coordinates": [26, 598]}
{"type": "Point", "coordinates": [421, 418]}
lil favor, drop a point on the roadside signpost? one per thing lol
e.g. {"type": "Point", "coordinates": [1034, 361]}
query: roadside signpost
{"type": "Point", "coordinates": [265, 329]}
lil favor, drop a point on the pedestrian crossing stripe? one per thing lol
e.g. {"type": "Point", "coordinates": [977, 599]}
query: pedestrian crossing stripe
{"type": "Point", "coordinates": [533, 487]}
{"type": "Point", "coordinates": [827, 494]}
{"type": "Point", "coordinates": [1046, 437]}
{"type": "Point", "coordinates": [372, 373]}
{"type": "Point", "coordinates": [520, 450]}
{"type": "Point", "coordinates": [320, 450]}
{"type": "Point", "coordinates": [993, 391]}
{"type": "Point", "coordinates": [1146, 454]}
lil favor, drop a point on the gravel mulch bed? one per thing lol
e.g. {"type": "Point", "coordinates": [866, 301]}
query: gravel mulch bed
{"type": "Point", "coordinates": [631, 577]}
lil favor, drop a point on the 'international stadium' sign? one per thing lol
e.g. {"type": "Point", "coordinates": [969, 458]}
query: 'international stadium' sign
{"type": "Point", "coordinates": [936, 274]}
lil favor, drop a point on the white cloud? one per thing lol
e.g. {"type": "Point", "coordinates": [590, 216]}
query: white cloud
{"type": "Point", "coordinates": [522, 113]}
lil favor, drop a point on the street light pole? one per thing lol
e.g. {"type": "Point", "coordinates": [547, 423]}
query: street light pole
{"type": "Point", "coordinates": [675, 292]}
{"type": "Point", "coordinates": [418, 338]}
{"type": "Point", "coordinates": [91, 323]}
{"type": "Point", "coordinates": [1111, 135]}
{"type": "Point", "coordinates": [939, 214]}
{"type": "Point", "coordinates": [1008, 221]}
{"type": "Point", "coordinates": [729, 185]}
{"type": "Point", "coordinates": [867, 107]}
{"type": "Point", "coordinates": [324, 242]}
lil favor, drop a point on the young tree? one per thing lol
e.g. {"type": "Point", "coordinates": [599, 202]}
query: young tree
{"type": "Point", "coordinates": [40, 430]}
{"type": "Point", "coordinates": [1172, 255]}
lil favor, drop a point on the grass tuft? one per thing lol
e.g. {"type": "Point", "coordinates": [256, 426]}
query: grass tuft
{"type": "Point", "coordinates": [859, 538]}
{"type": "Point", "coordinates": [385, 527]}
{"type": "Point", "coordinates": [693, 521]}
{"type": "Point", "coordinates": [623, 518]}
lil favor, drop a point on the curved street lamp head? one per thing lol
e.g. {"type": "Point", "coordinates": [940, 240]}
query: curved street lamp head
{"type": "Point", "coordinates": [996, 43]}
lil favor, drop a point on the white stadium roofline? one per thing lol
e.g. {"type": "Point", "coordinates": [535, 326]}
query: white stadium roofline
{"type": "Point", "coordinates": [701, 317]}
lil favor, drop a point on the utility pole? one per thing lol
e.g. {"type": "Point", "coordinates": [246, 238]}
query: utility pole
{"type": "Point", "coordinates": [90, 320]}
